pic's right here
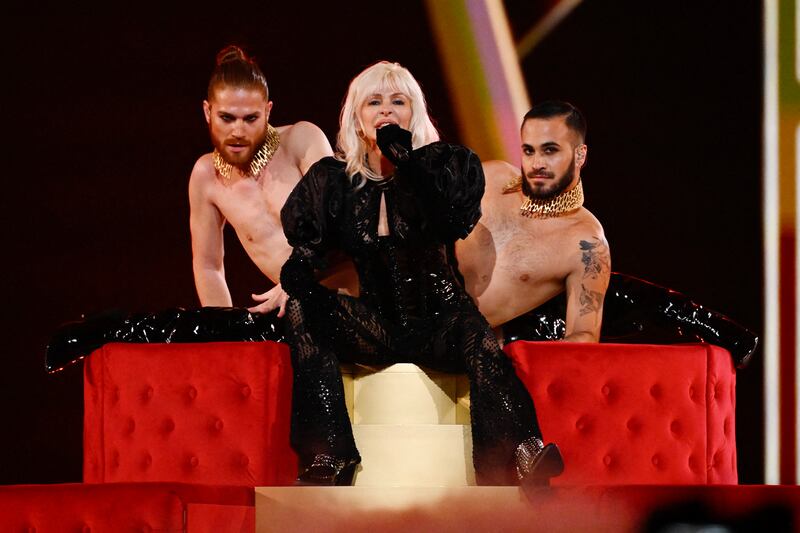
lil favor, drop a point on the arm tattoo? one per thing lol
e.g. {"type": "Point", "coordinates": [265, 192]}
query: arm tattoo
{"type": "Point", "coordinates": [594, 257]}
{"type": "Point", "coordinates": [591, 301]}
{"type": "Point", "coordinates": [596, 261]}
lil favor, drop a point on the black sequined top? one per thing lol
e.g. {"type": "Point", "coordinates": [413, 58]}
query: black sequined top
{"type": "Point", "coordinates": [406, 276]}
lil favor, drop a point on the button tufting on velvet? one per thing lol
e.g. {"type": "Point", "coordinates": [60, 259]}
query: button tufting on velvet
{"type": "Point", "coordinates": [607, 460]}
{"type": "Point", "coordinates": [115, 396]}
{"type": "Point", "coordinates": [555, 391]}
{"type": "Point", "coordinates": [582, 424]}
{"type": "Point", "coordinates": [716, 461]}
{"type": "Point", "coordinates": [676, 428]}
{"type": "Point", "coordinates": [697, 393]}
{"type": "Point", "coordinates": [130, 426]}
{"type": "Point", "coordinates": [147, 461]}
{"type": "Point", "coordinates": [719, 391]}
{"type": "Point", "coordinates": [656, 460]}
{"type": "Point", "coordinates": [655, 391]}
{"type": "Point", "coordinates": [694, 464]}
{"type": "Point", "coordinates": [193, 461]}
{"type": "Point", "coordinates": [244, 460]}
{"type": "Point", "coordinates": [86, 529]}
{"type": "Point", "coordinates": [147, 395]}
{"type": "Point", "coordinates": [168, 425]}
{"type": "Point", "coordinates": [633, 424]}
{"type": "Point", "coordinates": [610, 392]}
{"type": "Point", "coordinates": [245, 391]}
{"type": "Point", "coordinates": [191, 393]}
{"type": "Point", "coordinates": [217, 425]}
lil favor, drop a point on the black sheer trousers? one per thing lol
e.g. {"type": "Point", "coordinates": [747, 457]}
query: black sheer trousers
{"type": "Point", "coordinates": [460, 341]}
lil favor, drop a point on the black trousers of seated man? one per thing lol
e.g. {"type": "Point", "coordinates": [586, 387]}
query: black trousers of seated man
{"type": "Point", "coordinates": [459, 341]}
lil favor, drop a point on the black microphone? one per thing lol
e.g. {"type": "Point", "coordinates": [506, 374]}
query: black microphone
{"type": "Point", "coordinates": [392, 140]}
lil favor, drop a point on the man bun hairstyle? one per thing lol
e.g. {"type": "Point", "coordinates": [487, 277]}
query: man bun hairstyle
{"type": "Point", "coordinates": [234, 68]}
{"type": "Point", "coordinates": [558, 108]}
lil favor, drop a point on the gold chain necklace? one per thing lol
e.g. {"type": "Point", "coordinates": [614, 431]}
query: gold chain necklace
{"type": "Point", "coordinates": [552, 207]}
{"type": "Point", "coordinates": [260, 160]}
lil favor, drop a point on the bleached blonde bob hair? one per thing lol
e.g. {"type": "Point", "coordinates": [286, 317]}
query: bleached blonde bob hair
{"type": "Point", "coordinates": [351, 146]}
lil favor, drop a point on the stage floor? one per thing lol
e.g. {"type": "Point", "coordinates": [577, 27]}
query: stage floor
{"type": "Point", "coordinates": [590, 508]}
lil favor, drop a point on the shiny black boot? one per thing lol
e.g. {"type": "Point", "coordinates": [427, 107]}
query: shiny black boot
{"type": "Point", "coordinates": [637, 311]}
{"type": "Point", "coordinates": [328, 470]}
{"type": "Point", "coordinates": [75, 340]}
{"type": "Point", "coordinates": [537, 463]}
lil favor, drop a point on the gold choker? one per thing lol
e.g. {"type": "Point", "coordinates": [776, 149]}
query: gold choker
{"type": "Point", "coordinates": [552, 207]}
{"type": "Point", "coordinates": [260, 160]}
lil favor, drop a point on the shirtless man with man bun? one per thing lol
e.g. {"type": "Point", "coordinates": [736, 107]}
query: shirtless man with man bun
{"type": "Point", "coordinates": [246, 179]}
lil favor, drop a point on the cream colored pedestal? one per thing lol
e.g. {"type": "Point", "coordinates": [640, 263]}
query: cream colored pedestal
{"type": "Point", "coordinates": [411, 427]}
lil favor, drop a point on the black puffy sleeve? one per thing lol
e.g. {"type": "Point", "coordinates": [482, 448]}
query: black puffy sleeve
{"type": "Point", "coordinates": [307, 218]}
{"type": "Point", "coordinates": [449, 180]}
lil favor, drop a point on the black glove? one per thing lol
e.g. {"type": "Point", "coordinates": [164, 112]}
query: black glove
{"type": "Point", "coordinates": [395, 143]}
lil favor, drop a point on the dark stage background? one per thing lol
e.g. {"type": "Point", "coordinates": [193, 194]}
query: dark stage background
{"type": "Point", "coordinates": [103, 124]}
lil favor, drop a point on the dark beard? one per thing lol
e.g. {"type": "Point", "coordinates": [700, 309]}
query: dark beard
{"type": "Point", "coordinates": [245, 166]}
{"type": "Point", "coordinates": [561, 185]}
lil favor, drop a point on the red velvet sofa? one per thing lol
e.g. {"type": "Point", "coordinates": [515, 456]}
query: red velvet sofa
{"type": "Point", "coordinates": [632, 413]}
{"type": "Point", "coordinates": [218, 413]}
{"type": "Point", "coordinates": [176, 435]}
{"type": "Point", "coordinates": [215, 413]}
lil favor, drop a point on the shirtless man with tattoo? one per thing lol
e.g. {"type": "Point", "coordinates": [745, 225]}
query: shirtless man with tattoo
{"type": "Point", "coordinates": [246, 179]}
{"type": "Point", "coordinates": [535, 239]}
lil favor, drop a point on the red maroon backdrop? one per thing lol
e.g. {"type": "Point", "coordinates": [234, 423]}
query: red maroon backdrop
{"type": "Point", "coordinates": [102, 121]}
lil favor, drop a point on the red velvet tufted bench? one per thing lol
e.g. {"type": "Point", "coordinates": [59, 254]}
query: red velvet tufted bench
{"type": "Point", "coordinates": [218, 413]}
{"type": "Point", "coordinates": [127, 507]}
{"type": "Point", "coordinates": [215, 413]}
{"type": "Point", "coordinates": [634, 414]}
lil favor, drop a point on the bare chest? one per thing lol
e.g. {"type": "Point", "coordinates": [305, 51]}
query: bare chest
{"type": "Point", "coordinates": [531, 258]}
{"type": "Point", "coordinates": [253, 206]}
{"type": "Point", "coordinates": [527, 252]}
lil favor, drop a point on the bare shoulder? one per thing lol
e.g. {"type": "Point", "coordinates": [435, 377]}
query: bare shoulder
{"type": "Point", "coordinates": [300, 135]}
{"type": "Point", "coordinates": [587, 233]}
{"type": "Point", "coordinates": [305, 144]}
{"type": "Point", "coordinates": [586, 226]}
{"type": "Point", "coordinates": [498, 175]}
{"type": "Point", "coordinates": [203, 174]}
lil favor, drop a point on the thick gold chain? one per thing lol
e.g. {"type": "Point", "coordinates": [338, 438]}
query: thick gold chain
{"type": "Point", "coordinates": [552, 207]}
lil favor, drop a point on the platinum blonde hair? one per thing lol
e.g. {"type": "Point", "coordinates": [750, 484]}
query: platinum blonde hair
{"type": "Point", "coordinates": [351, 145]}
